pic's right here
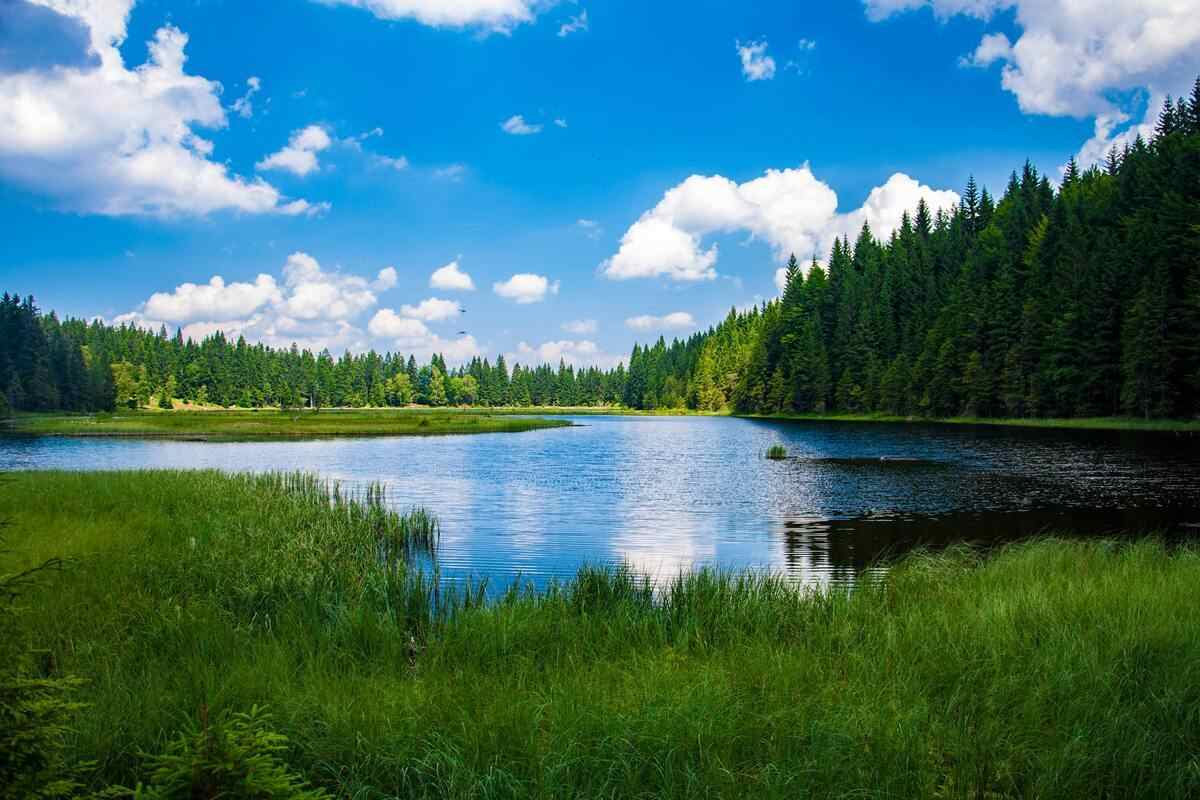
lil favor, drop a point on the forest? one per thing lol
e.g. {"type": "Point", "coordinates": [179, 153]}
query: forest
{"type": "Point", "coordinates": [1070, 301]}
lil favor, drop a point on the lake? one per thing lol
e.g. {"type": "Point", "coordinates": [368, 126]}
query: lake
{"type": "Point", "coordinates": [670, 493]}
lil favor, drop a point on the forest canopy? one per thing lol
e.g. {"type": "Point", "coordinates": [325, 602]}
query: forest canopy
{"type": "Point", "coordinates": [1076, 300]}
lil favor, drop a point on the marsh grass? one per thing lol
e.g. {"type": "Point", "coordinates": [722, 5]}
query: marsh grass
{"type": "Point", "coordinates": [1050, 669]}
{"type": "Point", "coordinates": [271, 424]}
{"type": "Point", "coordinates": [777, 452]}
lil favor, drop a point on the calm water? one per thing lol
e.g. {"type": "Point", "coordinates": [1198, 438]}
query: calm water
{"type": "Point", "coordinates": [670, 493]}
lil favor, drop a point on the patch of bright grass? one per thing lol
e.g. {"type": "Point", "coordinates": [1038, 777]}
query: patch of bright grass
{"type": "Point", "coordinates": [1050, 669]}
{"type": "Point", "coordinates": [777, 452]}
{"type": "Point", "coordinates": [268, 424]}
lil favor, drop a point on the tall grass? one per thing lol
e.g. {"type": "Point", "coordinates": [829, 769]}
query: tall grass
{"type": "Point", "coordinates": [777, 452]}
{"type": "Point", "coordinates": [1051, 669]}
{"type": "Point", "coordinates": [272, 424]}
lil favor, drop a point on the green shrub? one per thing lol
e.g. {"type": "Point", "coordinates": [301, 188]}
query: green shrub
{"type": "Point", "coordinates": [36, 707]}
{"type": "Point", "coordinates": [236, 757]}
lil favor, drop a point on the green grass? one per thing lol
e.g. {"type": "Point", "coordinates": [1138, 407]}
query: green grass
{"type": "Point", "coordinates": [1051, 669]}
{"type": "Point", "coordinates": [1083, 423]}
{"type": "Point", "coordinates": [777, 452]}
{"type": "Point", "coordinates": [271, 423]}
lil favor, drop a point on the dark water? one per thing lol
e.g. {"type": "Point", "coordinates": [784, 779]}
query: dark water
{"type": "Point", "coordinates": [670, 493]}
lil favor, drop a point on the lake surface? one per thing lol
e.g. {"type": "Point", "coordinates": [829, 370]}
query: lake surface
{"type": "Point", "coordinates": [670, 493]}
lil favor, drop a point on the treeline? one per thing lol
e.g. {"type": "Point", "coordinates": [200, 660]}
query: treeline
{"type": "Point", "coordinates": [1078, 301]}
{"type": "Point", "coordinates": [1083, 301]}
{"type": "Point", "coordinates": [72, 365]}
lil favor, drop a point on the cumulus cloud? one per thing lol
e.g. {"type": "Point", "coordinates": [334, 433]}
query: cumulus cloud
{"type": "Point", "coordinates": [525, 287]}
{"type": "Point", "coordinates": [756, 64]}
{"type": "Point", "coordinates": [386, 279]}
{"type": "Point", "coordinates": [300, 155]}
{"type": "Point", "coordinates": [387, 324]}
{"type": "Point", "coordinates": [1083, 58]}
{"type": "Point", "coordinates": [413, 336]}
{"type": "Point", "coordinates": [244, 106]}
{"type": "Point", "coordinates": [790, 209]}
{"type": "Point", "coordinates": [580, 327]}
{"type": "Point", "coordinates": [214, 301]}
{"type": "Point", "coordinates": [574, 24]}
{"type": "Point", "coordinates": [992, 48]}
{"type": "Point", "coordinates": [432, 310]}
{"type": "Point", "coordinates": [499, 16]}
{"type": "Point", "coordinates": [451, 278]}
{"type": "Point", "coordinates": [678, 320]}
{"type": "Point", "coordinates": [517, 126]}
{"type": "Point", "coordinates": [577, 353]}
{"type": "Point", "coordinates": [313, 293]}
{"type": "Point", "coordinates": [106, 139]}
{"type": "Point", "coordinates": [309, 305]}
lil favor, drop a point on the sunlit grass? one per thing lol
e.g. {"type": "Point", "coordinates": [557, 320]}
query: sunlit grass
{"type": "Point", "coordinates": [777, 452]}
{"type": "Point", "coordinates": [271, 423]}
{"type": "Point", "coordinates": [1050, 669]}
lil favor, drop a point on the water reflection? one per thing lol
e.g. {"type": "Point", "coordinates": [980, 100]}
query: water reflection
{"type": "Point", "coordinates": [668, 494]}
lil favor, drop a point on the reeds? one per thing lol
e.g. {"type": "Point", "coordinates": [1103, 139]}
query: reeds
{"type": "Point", "coordinates": [1050, 669]}
{"type": "Point", "coordinates": [777, 452]}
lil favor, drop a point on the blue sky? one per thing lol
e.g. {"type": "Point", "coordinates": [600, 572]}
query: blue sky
{"type": "Point", "coordinates": [659, 158]}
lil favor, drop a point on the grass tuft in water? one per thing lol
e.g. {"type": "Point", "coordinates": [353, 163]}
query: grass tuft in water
{"type": "Point", "coordinates": [777, 452]}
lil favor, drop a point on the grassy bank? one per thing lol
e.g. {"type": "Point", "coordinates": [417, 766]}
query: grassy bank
{"type": "Point", "coordinates": [1081, 423]}
{"type": "Point", "coordinates": [271, 424]}
{"type": "Point", "coordinates": [1054, 669]}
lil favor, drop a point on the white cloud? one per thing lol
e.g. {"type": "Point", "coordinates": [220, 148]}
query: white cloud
{"type": "Point", "coordinates": [432, 310]}
{"type": "Point", "coordinates": [574, 24]}
{"type": "Point", "coordinates": [1083, 58]}
{"type": "Point", "coordinates": [300, 155]}
{"type": "Point", "coordinates": [806, 44]}
{"type": "Point", "coordinates": [590, 228]}
{"type": "Point", "coordinates": [790, 209]}
{"type": "Point", "coordinates": [517, 126]}
{"type": "Point", "coordinates": [399, 164]}
{"type": "Point", "coordinates": [386, 279]}
{"type": "Point", "coordinates": [315, 294]}
{"type": "Point", "coordinates": [309, 305]}
{"type": "Point", "coordinates": [781, 278]}
{"type": "Point", "coordinates": [110, 140]}
{"type": "Point", "coordinates": [526, 288]}
{"type": "Point", "coordinates": [992, 48]}
{"type": "Point", "coordinates": [560, 122]}
{"type": "Point", "coordinates": [756, 64]}
{"type": "Point", "coordinates": [885, 209]}
{"type": "Point", "coordinates": [243, 106]}
{"type": "Point", "coordinates": [499, 16]}
{"type": "Point", "coordinates": [678, 320]}
{"type": "Point", "coordinates": [451, 172]}
{"type": "Point", "coordinates": [451, 278]}
{"type": "Point", "coordinates": [412, 336]}
{"type": "Point", "coordinates": [580, 327]}
{"type": "Point", "coordinates": [214, 301]}
{"type": "Point", "coordinates": [387, 324]}
{"type": "Point", "coordinates": [581, 353]}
